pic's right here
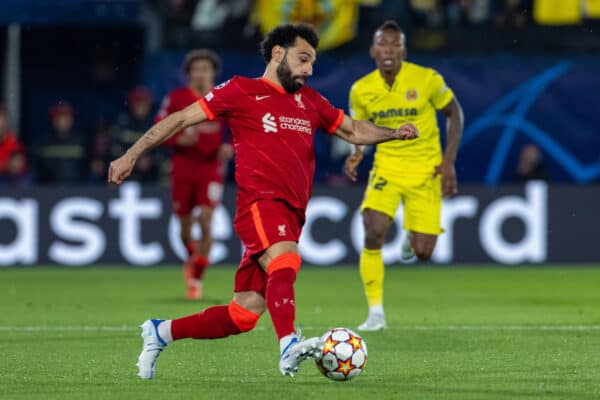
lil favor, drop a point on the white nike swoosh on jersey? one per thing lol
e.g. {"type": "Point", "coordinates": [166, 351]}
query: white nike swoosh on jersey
{"type": "Point", "coordinates": [262, 97]}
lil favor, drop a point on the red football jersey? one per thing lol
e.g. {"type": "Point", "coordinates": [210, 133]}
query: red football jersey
{"type": "Point", "coordinates": [188, 161]}
{"type": "Point", "coordinates": [272, 133]}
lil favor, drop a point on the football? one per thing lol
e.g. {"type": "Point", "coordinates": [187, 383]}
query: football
{"type": "Point", "coordinates": [344, 354]}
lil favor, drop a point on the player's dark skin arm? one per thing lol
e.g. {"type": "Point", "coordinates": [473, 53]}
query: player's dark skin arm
{"type": "Point", "coordinates": [121, 168]}
{"type": "Point", "coordinates": [454, 129]}
{"type": "Point", "coordinates": [366, 132]}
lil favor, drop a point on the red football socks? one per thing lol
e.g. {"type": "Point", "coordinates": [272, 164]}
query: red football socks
{"type": "Point", "coordinates": [280, 298]}
{"type": "Point", "coordinates": [200, 264]}
{"type": "Point", "coordinates": [191, 248]}
{"type": "Point", "coordinates": [212, 323]}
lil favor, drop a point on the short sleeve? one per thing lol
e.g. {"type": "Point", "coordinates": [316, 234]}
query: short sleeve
{"type": "Point", "coordinates": [355, 105]}
{"type": "Point", "coordinates": [440, 93]}
{"type": "Point", "coordinates": [220, 101]}
{"type": "Point", "coordinates": [330, 118]}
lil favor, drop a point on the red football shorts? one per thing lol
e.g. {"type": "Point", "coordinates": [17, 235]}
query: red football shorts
{"type": "Point", "coordinates": [260, 226]}
{"type": "Point", "coordinates": [207, 190]}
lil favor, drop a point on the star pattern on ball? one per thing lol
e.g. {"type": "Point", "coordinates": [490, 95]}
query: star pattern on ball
{"type": "Point", "coordinates": [345, 367]}
{"type": "Point", "coordinates": [355, 342]}
{"type": "Point", "coordinates": [329, 346]}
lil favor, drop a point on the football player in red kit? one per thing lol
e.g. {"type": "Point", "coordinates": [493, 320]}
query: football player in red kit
{"type": "Point", "coordinates": [272, 119]}
{"type": "Point", "coordinates": [197, 165]}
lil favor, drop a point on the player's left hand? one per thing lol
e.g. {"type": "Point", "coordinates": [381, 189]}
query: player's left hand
{"type": "Point", "coordinates": [225, 152]}
{"type": "Point", "coordinates": [448, 173]}
{"type": "Point", "coordinates": [406, 132]}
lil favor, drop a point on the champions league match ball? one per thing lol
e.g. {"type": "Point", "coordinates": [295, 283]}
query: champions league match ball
{"type": "Point", "coordinates": [344, 355]}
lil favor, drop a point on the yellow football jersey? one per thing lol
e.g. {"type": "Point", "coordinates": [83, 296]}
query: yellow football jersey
{"type": "Point", "coordinates": [414, 97]}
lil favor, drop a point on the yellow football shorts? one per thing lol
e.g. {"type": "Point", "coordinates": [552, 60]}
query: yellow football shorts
{"type": "Point", "coordinates": [421, 197]}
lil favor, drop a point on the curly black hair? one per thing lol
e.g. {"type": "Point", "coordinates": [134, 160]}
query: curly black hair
{"type": "Point", "coordinates": [285, 36]}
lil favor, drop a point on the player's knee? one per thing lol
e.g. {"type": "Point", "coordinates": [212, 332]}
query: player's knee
{"type": "Point", "coordinates": [374, 238]}
{"type": "Point", "coordinates": [242, 317]}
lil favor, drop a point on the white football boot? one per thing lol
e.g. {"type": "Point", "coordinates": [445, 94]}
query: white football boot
{"type": "Point", "coordinates": [151, 348]}
{"type": "Point", "coordinates": [407, 255]}
{"type": "Point", "coordinates": [298, 350]}
{"type": "Point", "coordinates": [375, 322]}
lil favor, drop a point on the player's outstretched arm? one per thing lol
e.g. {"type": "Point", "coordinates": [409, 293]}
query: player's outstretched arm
{"type": "Point", "coordinates": [121, 168]}
{"type": "Point", "coordinates": [366, 132]}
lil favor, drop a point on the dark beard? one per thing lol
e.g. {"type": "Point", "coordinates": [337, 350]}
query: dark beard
{"type": "Point", "coordinates": [284, 73]}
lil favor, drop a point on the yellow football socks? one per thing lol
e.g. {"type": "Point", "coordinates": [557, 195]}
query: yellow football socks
{"type": "Point", "coordinates": [371, 273]}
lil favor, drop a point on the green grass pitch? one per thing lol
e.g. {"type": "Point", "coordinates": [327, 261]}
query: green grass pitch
{"type": "Point", "coordinates": [454, 333]}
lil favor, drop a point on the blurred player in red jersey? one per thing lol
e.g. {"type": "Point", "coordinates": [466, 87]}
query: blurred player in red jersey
{"type": "Point", "coordinates": [9, 144]}
{"type": "Point", "coordinates": [197, 164]}
{"type": "Point", "coordinates": [272, 119]}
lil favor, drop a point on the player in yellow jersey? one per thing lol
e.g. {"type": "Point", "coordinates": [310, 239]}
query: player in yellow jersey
{"type": "Point", "coordinates": [415, 173]}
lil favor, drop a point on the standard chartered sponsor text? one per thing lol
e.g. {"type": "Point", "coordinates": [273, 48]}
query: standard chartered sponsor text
{"type": "Point", "coordinates": [295, 124]}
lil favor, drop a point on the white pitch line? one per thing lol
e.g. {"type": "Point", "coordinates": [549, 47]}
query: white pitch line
{"type": "Point", "coordinates": [51, 328]}
{"type": "Point", "coordinates": [502, 328]}
{"type": "Point", "coordinates": [125, 328]}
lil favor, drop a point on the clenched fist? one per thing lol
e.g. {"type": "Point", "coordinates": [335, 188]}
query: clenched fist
{"type": "Point", "coordinates": [406, 132]}
{"type": "Point", "coordinates": [120, 169]}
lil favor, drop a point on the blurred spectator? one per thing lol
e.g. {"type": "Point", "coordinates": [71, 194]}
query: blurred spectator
{"type": "Point", "coordinates": [178, 11]}
{"type": "Point", "coordinates": [513, 14]}
{"type": "Point", "coordinates": [530, 166]}
{"type": "Point", "coordinates": [479, 12]}
{"type": "Point", "coordinates": [61, 157]}
{"type": "Point", "coordinates": [212, 15]}
{"type": "Point", "coordinates": [101, 141]}
{"type": "Point", "coordinates": [8, 140]}
{"type": "Point", "coordinates": [146, 169]}
{"type": "Point", "coordinates": [455, 11]}
{"type": "Point", "coordinates": [371, 17]}
{"type": "Point", "coordinates": [176, 15]}
{"type": "Point", "coordinates": [98, 171]}
{"type": "Point", "coordinates": [100, 153]}
{"type": "Point", "coordinates": [427, 13]}
{"type": "Point", "coordinates": [132, 125]}
{"type": "Point", "coordinates": [16, 173]}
